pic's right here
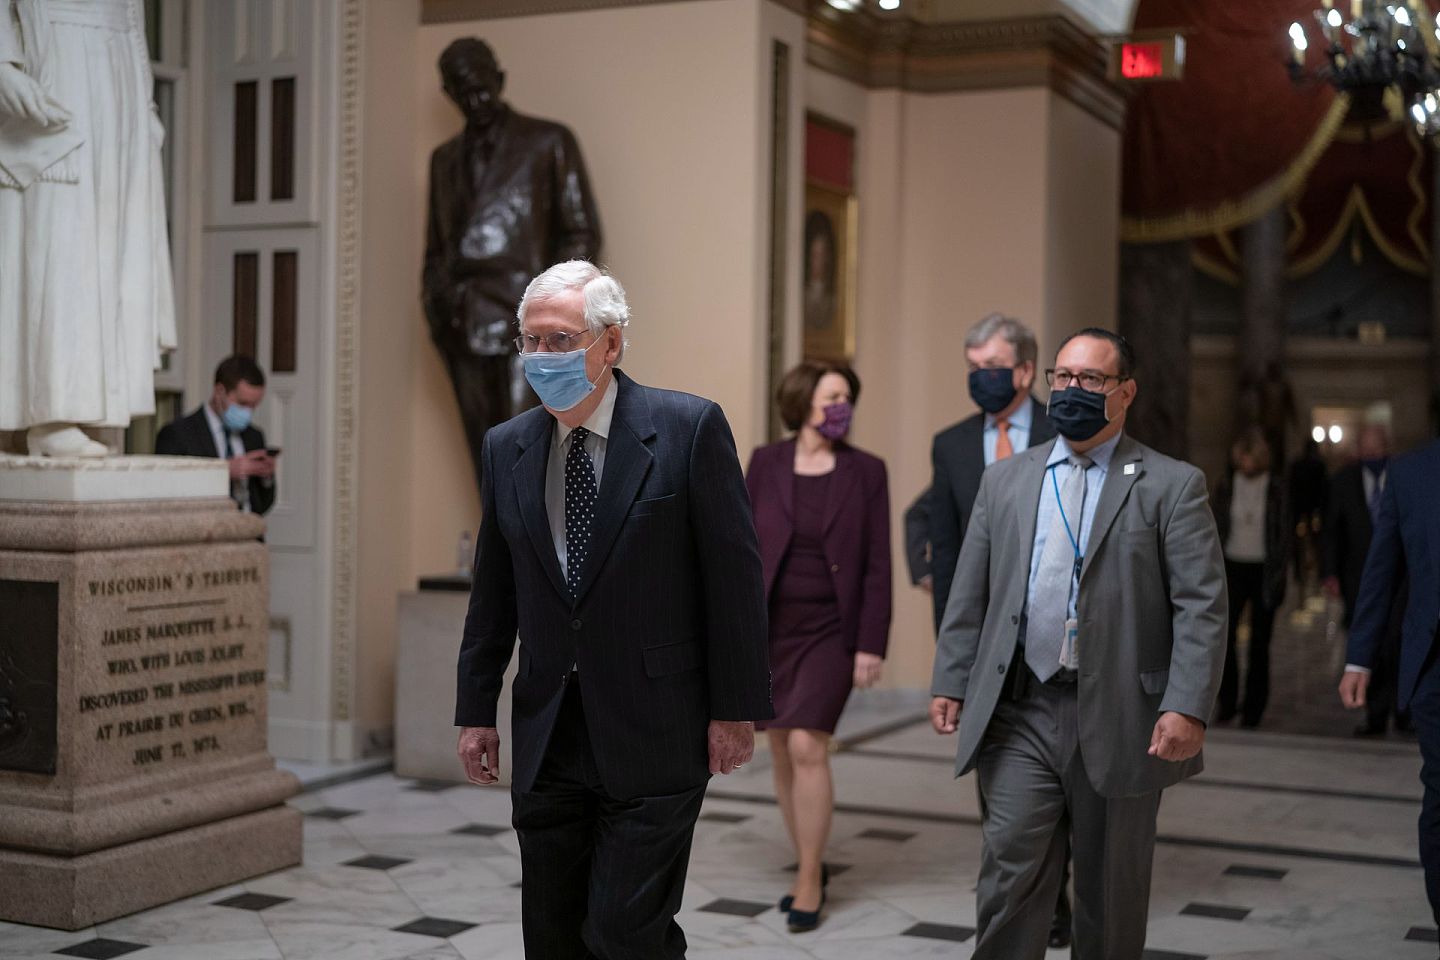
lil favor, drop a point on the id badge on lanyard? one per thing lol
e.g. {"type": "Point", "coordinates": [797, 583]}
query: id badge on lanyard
{"type": "Point", "coordinates": [1070, 644]}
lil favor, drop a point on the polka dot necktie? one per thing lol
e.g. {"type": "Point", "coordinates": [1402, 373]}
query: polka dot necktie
{"type": "Point", "coordinates": [580, 494]}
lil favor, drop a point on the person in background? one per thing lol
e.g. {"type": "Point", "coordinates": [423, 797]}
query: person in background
{"type": "Point", "coordinates": [1309, 493]}
{"type": "Point", "coordinates": [1355, 496]}
{"type": "Point", "coordinates": [822, 513]}
{"type": "Point", "coordinates": [222, 428]}
{"type": "Point", "coordinates": [1000, 356]}
{"type": "Point", "coordinates": [917, 542]}
{"type": "Point", "coordinates": [1404, 547]}
{"type": "Point", "coordinates": [1253, 518]}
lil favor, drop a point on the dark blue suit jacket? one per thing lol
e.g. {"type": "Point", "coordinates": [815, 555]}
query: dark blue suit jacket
{"type": "Point", "coordinates": [669, 627]}
{"type": "Point", "coordinates": [1406, 536]}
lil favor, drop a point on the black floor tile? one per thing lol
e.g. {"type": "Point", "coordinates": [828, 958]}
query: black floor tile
{"type": "Point", "coordinates": [1423, 935]}
{"type": "Point", "coordinates": [101, 949]}
{"type": "Point", "coordinates": [835, 868]}
{"type": "Point", "coordinates": [1170, 955]}
{"type": "Point", "coordinates": [719, 817]}
{"type": "Point", "coordinates": [433, 786]}
{"type": "Point", "coordinates": [1258, 873]}
{"type": "Point", "coordinates": [480, 830]}
{"type": "Point", "coordinates": [332, 813]}
{"type": "Point", "coordinates": [377, 863]}
{"type": "Point", "coordinates": [1215, 911]}
{"type": "Point", "coordinates": [895, 836]}
{"type": "Point", "coordinates": [939, 931]}
{"type": "Point", "coordinates": [252, 901]}
{"type": "Point", "coordinates": [436, 927]}
{"type": "Point", "coordinates": [735, 908]}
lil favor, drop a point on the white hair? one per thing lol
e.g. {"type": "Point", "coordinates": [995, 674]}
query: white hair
{"type": "Point", "coordinates": [605, 304]}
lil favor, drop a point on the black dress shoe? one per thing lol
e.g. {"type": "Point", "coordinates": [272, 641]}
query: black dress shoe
{"type": "Point", "coordinates": [1369, 729]}
{"type": "Point", "coordinates": [803, 921]}
{"type": "Point", "coordinates": [1059, 937]}
{"type": "Point", "coordinates": [1403, 724]}
{"type": "Point", "coordinates": [787, 900]}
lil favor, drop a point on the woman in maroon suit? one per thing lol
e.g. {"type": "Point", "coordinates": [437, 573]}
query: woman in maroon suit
{"type": "Point", "coordinates": [822, 512]}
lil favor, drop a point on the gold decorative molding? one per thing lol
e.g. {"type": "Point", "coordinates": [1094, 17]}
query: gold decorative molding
{"type": "Point", "coordinates": [459, 11]}
{"type": "Point", "coordinates": [898, 52]}
{"type": "Point", "coordinates": [347, 360]}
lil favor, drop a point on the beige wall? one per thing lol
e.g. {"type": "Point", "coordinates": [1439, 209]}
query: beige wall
{"type": "Point", "coordinates": [969, 203]}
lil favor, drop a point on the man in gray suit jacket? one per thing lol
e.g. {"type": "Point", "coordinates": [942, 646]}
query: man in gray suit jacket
{"type": "Point", "coordinates": [1080, 652]}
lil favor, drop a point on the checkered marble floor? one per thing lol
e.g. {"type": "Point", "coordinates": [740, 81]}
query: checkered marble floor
{"type": "Point", "coordinates": [1287, 847]}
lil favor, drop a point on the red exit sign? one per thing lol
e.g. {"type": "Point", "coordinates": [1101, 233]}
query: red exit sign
{"type": "Point", "coordinates": [1149, 58]}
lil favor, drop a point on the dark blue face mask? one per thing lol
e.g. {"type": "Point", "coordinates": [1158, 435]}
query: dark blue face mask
{"type": "Point", "coordinates": [992, 388]}
{"type": "Point", "coordinates": [1077, 414]}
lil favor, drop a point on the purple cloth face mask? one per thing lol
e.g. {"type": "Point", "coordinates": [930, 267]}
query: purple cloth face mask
{"type": "Point", "coordinates": [837, 421]}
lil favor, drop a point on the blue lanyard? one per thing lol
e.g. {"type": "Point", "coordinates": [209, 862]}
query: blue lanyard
{"type": "Point", "coordinates": [1074, 542]}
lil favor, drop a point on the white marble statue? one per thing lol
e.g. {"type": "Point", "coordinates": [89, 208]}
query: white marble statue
{"type": "Point", "coordinates": [86, 303]}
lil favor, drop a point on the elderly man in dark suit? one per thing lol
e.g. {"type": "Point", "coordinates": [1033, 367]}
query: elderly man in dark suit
{"type": "Point", "coordinates": [508, 197]}
{"type": "Point", "coordinates": [222, 428]}
{"type": "Point", "coordinates": [1405, 548]}
{"type": "Point", "coordinates": [617, 538]}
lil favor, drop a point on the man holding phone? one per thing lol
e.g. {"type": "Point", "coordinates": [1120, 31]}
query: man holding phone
{"type": "Point", "coordinates": [222, 428]}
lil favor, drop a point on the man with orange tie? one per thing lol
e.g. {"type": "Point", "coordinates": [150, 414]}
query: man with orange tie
{"type": "Point", "coordinates": [1000, 352]}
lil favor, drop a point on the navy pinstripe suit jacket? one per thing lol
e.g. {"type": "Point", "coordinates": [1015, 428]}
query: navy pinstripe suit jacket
{"type": "Point", "coordinates": [669, 626]}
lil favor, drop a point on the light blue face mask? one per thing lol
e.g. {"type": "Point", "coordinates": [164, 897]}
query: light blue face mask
{"type": "Point", "coordinates": [236, 418]}
{"type": "Point", "coordinates": [558, 379]}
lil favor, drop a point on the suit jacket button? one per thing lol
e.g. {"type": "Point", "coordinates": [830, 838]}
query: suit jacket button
{"type": "Point", "coordinates": [1014, 618]}
{"type": "Point", "coordinates": [834, 568]}
{"type": "Point", "coordinates": [1000, 669]}
{"type": "Point", "coordinates": [576, 624]}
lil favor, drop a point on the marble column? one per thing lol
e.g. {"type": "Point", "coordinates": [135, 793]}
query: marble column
{"type": "Point", "coordinates": [1157, 284]}
{"type": "Point", "coordinates": [1265, 397]}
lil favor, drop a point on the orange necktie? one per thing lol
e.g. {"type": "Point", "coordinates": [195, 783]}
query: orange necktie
{"type": "Point", "coordinates": [1003, 450]}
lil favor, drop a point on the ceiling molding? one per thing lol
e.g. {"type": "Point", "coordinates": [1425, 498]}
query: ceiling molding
{"type": "Point", "coordinates": [896, 52]}
{"type": "Point", "coordinates": [459, 11]}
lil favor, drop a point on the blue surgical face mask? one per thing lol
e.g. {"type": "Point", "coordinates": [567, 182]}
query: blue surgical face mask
{"type": "Point", "coordinates": [1078, 414]}
{"type": "Point", "coordinates": [558, 379]}
{"type": "Point", "coordinates": [236, 418]}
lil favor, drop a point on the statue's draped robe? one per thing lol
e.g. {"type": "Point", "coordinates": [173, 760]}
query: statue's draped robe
{"type": "Point", "coordinates": [86, 302]}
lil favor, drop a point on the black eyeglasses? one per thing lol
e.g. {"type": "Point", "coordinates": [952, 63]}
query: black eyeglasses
{"type": "Point", "coordinates": [1091, 381]}
{"type": "Point", "coordinates": [554, 342]}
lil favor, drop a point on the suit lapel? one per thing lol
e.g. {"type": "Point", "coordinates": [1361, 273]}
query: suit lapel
{"type": "Point", "coordinates": [1027, 493]}
{"type": "Point", "coordinates": [200, 431]}
{"type": "Point", "coordinates": [1118, 482]}
{"type": "Point", "coordinates": [529, 476]}
{"type": "Point", "coordinates": [846, 476]}
{"type": "Point", "coordinates": [627, 461]}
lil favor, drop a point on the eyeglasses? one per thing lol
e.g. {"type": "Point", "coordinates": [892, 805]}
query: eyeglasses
{"type": "Point", "coordinates": [1091, 381]}
{"type": "Point", "coordinates": [554, 342]}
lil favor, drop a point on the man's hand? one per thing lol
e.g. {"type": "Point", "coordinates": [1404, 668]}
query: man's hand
{"type": "Point", "coordinates": [1177, 737]}
{"type": "Point", "coordinates": [867, 669]}
{"type": "Point", "coordinates": [479, 751]}
{"type": "Point", "coordinates": [927, 583]}
{"type": "Point", "coordinates": [1331, 585]}
{"type": "Point", "coordinates": [254, 463]}
{"type": "Point", "coordinates": [1352, 689]}
{"type": "Point", "coordinates": [21, 96]}
{"type": "Point", "coordinates": [945, 714]}
{"type": "Point", "coordinates": [732, 744]}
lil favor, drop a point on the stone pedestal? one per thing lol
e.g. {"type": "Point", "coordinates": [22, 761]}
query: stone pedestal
{"type": "Point", "coordinates": [429, 625]}
{"type": "Point", "coordinates": [133, 623]}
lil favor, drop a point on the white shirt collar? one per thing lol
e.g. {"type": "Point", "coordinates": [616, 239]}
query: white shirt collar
{"type": "Point", "coordinates": [599, 421]}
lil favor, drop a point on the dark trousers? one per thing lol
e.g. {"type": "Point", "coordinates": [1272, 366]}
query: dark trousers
{"type": "Point", "coordinates": [1063, 919]}
{"type": "Point", "coordinates": [1425, 714]}
{"type": "Point", "coordinates": [1246, 584]}
{"type": "Point", "coordinates": [488, 393]}
{"type": "Point", "coordinates": [601, 878]}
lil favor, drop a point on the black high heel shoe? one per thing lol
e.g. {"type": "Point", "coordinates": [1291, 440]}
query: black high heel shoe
{"type": "Point", "coordinates": [803, 921]}
{"type": "Point", "coordinates": [787, 901]}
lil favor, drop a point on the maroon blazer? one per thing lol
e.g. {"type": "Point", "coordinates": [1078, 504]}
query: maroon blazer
{"type": "Point", "coordinates": [857, 534]}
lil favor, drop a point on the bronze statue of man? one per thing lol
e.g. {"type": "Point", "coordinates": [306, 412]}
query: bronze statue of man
{"type": "Point", "coordinates": [508, 198]}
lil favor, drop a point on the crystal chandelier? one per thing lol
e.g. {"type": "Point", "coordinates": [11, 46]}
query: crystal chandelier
{"type": "Point", "coordinates": [1379, 47]}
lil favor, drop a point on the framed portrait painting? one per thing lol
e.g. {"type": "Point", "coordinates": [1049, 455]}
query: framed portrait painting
{"type": "Point", "coordinates": [827, 286]}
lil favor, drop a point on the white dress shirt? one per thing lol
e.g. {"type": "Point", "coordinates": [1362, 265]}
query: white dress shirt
{"type": "Point", "coordinates": [1246, 540]}
{"type": "Point", "coordinates": [1019, 431]}
{"type": "Point", "coordinates": [599, 427]}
